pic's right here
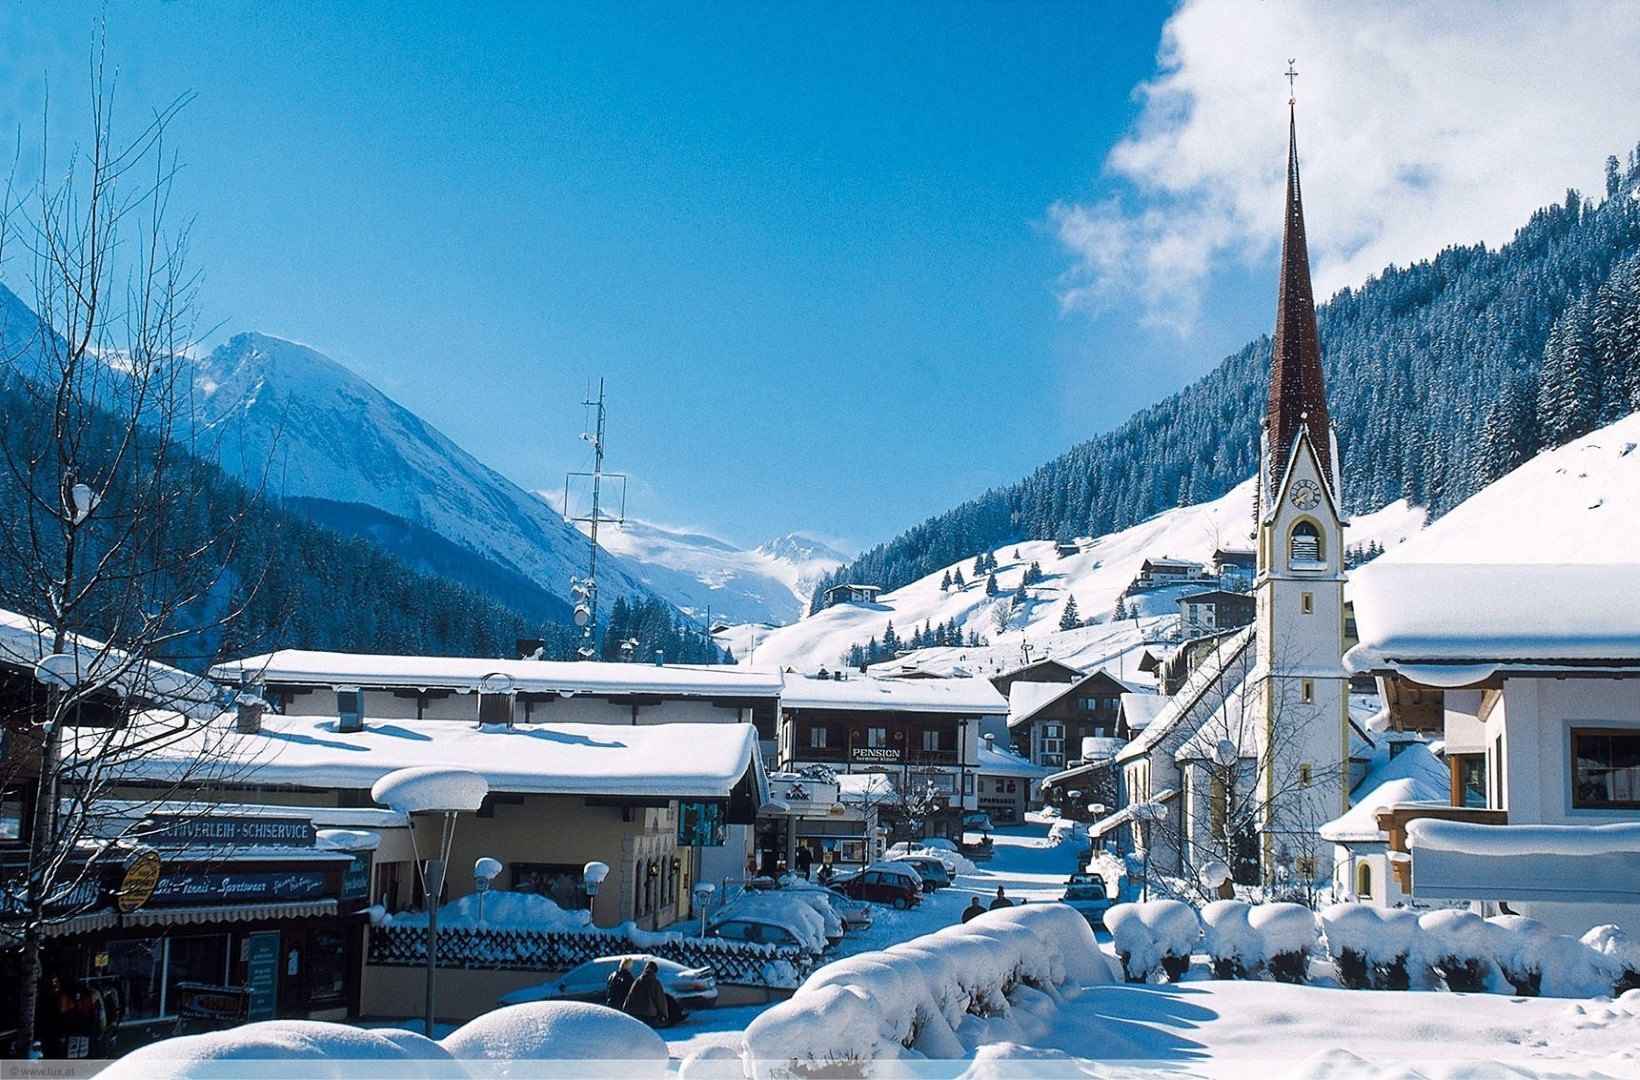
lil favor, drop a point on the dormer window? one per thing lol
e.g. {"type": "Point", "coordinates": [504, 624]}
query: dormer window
{"type": "Point", "coordinates": [1304, 547]}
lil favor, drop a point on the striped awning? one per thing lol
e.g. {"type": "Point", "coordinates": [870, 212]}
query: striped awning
{"type": "Point", "coordinates": [186, 916]}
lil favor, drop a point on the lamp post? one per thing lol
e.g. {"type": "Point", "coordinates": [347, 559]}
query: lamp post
{"type": "Point", "coordinates": [592, 876]}
{"type": "Point", "coordinates": [432, 791]}
{"type": "Point", "coordinates": [703, 900]}
{"type": "Point", "coordinates": [485, 870]}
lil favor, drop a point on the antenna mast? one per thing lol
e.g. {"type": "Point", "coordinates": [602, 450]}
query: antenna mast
{"type": "Point", "coordinates": [585, 590]}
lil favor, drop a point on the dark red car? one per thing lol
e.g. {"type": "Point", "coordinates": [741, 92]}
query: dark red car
{"type": "Point", "coordinates": [883, 883]}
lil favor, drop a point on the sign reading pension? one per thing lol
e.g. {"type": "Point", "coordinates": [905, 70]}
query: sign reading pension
{"type": "Point", "coordinates": [248, 830]}
{"type": "Point", "coordinates": [875, 753]}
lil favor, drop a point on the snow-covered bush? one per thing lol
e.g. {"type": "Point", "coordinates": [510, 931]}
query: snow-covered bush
{"type": "Point", "coordinates": [1285, 934]}
{"type": "Point", "coordinates": [1151, 935]}
{"type": "Point", "coordinates": [1622, 950]}
{"type": "Point", "coordinates": [1573, 968]}
{"type": "Point", "coordinates": [322, 1049]}
{"type": "Point", "coordinates": [1230, 942]}
{"type": "Point", "coordinates": [926, 997]}
{"type": "Point", "coordinates": [1369, 945]}
{"type": "Point", "coordinates": [1517, 946]}
{"type": "Point", "coordinates": [712, 1063]}
{"type": "Point", "coordinates": [559, 1038]}
{"type": "Point", "coordinates": [1455, 945]}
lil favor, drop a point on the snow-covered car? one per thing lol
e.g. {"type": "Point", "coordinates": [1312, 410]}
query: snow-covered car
{"type": "Point", "coordinates": [883, 883]}
{"type": "Point", "coordinates": [856, 914]}
{"type": "Point", "coordinates": [801, 909]}
{"type": "Point", "coordinates": [934, 873]}
{"type": "Point", "coordinates": [686, 987]}
{"type": "Point", "coordinates": [757, 931]}
{"type": "Point", "coordinates": [1088, 895]}
{"type": "Point", "coordinates": [849, 914]}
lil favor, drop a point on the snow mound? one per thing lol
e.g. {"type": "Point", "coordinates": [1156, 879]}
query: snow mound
{"type": "Point", "coordinates": [503, 910]}
{"type": "Point", "coordinates": [1282, 929]}
{"type": "Point", "coordinates": [928, 997]}
{"type": "Point", "coordinates": [267, 1049]}
{"type": "Point", "coordinates": [712, 1063]}
{"type": "Point", "coordinates": [426, 788]}
{"type": "Point", "coordinates": [1613, 943]}
{"type": "Point", "coordinates": [1229, 939]}
{"type": "Point", "coordinates": [582, 1039]}
{"type": "Point", "coordinates": [1377, 935]}
{"type": "Point", "coordinates": [1157, 933]}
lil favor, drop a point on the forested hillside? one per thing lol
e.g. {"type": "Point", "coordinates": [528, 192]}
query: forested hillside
{"type": "Point", "coordinates": [1440, 376]}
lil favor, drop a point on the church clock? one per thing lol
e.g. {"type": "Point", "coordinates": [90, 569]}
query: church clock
{"type": "Point", "coordinates": [1306, 494]}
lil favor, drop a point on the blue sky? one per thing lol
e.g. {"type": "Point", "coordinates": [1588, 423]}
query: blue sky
{"type": "Point", "coordinates": [842, 266]}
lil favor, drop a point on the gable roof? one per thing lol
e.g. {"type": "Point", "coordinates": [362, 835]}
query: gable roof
{"type": "Point", "coordinates": [969, 697]}
{"type": "Point", "coordinates": [1415, 775]}
{"type": "Point", "coordinates": [1182, 707]}
{"type": "Point", "coordinates": [1026, 700]}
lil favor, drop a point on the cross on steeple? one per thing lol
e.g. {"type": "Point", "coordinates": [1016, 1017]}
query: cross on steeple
{"type": "Point", "coordinates": [1291, 75]}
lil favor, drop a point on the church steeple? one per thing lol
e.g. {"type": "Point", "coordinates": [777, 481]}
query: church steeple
{"type": "Point", "coordinates": [1298, 401]}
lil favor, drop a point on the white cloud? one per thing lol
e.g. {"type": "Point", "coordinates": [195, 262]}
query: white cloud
{"type": "Point", "coordinates": [1419, 126]}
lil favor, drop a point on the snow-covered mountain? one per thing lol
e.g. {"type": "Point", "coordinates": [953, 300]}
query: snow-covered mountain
{"type": "Point", "coordinates": [348, 454]}
{"type": "Point", "coordinates": [769, 584]}
{"type": "Point", "coordinates": [1096, 575]}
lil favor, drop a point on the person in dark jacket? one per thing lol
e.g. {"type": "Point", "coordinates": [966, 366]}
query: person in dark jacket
{"type": "Point", "coordinates": [647, 999]}
{"type": "Point", "coordinates": [973, 909]}
{"type": "Point", "coordinates": [805, 861]}
{"type": "Point", "coordinates": [1001, 901]}
{"type": "Point", "coordinates": [619, 984]}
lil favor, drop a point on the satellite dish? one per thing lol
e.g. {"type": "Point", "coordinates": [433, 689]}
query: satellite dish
{"type": "Point", "coordinates": [59, 670]}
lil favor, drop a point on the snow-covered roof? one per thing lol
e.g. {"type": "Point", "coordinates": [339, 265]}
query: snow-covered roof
{"type": "Point", "coordinates": [1132, 811]}
{"type": "Point", "coordinates": [1227, 721]}
{"type": "Point", "coordinates": [974, 697]}
{"type": "Point", "coordinates": [1210, 675]}
{"type": "Point", "coordinates": [25, 641]}
{"type": "Point", "coordinates": [1412, 776]}
{"type": "Point", "coordinates": [999, 762]}
{"type": "Point", "coordinates": [863, 787]}
{"type": "Point", "coordinates": [1539, 570]}
{"type": "Point", "coordinates": [1141, 709]}
{"type": "Point", "coordinates": [668, 760]}
{"type": "Point", "coordinates": [303, 667]}
{"type": "Point", "coordinates": [1026, 699]}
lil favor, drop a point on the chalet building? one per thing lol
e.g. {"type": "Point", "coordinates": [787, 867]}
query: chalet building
{"type": "Point", "coordinates": [1251, 757]}
{"type": "Point", "coordinates": [852, 594]}
{"type": "Point", "coordinates": [1007, 784]}
{"type": "Point", "coordinates": [1048, 721]}
{"type": "Point", "coordinates": [1038, 671]}
{"type": "Point", "coordinates": [1136, 712]}
{"type": "Point", "coordinates": [1210, 612]}
{"type": "Point", "coordinates": [1407, 773]}
{"type": "Point", "coordinates": [1066, 548]}
{"type": "Point", "coordinates": [923, 735]}
{"type": "Point", "coordinates": [1235, 563]}
{"type": "Point", "coordinates": [1155, 573]}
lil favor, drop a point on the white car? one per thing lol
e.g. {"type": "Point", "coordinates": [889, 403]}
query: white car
{"type": "Point", "coordinates": [686, 988]}
{"type": "Point", "coordinates": [758, 931]}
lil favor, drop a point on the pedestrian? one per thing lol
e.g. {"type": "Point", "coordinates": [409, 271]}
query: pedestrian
{"type": "Point", "coordinates": [974, 908]}
{"type": "Point", "coordinates": [805, 862]}
{"type": "Point", "coordinates": [1001, 901]}
{"type": "Point", "coordinates": [825, 874]}
{"type": "Point", "coordinates": [619, 984]}
{"type": "Point", "coordinates": [647, 999]}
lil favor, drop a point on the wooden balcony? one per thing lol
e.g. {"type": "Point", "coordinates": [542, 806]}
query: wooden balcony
{"type": "Point", "coordinates": [1393, 821]}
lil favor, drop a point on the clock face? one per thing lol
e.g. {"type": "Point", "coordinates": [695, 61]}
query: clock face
{"type": "Point", "coordinates": [1306, 494]}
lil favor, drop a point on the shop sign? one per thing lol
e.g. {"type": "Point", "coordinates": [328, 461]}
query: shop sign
{"type": "Point", "coordinates": [200, 1001]}
{"type": "Point", "coordinates": [241, 831]}
{"type": "Point", "coordinates": [241, 888]}
{"type": "Point", "coordinates": [875, 753]}
{"type": "Point", "coordinates": [356, 880]}
{"type": "Point", "coordinates": [262, 974]}
{"type": "Point", "coordinates": [140, 881]}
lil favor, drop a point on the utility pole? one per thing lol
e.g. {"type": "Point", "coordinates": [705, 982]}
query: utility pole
{"type": "Point", "coordinates": [585, 590]}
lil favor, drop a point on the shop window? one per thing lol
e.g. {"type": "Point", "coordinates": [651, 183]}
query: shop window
{"type": "Point", "coordinates": [327, 968]}
{"type": "Point", "coordinates": [202, 959]}
{"type": "Point", "coordinates": [13, 806]}
{"type": "Point", "coordinates": [1605, 769]}
{"type": "Point", "coordinates": [137, 967]}
{"type": "Point", "coordinates": [559, 882]}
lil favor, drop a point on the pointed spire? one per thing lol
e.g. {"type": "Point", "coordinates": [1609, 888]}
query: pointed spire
{"type": "Point", "coordinates": [1298, 400]}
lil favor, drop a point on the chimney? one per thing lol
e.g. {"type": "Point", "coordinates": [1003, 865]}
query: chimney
{"type": "Point", "coordinates": [990, 740]}
{"type": "Point", "coordinates": [660, 658]}
{"type": "Point", "coordinates": [530, 648]}
{"type": "Point", "coordinates": [349, 710]}
{"type": "Point", "coordinates": [249, 709]}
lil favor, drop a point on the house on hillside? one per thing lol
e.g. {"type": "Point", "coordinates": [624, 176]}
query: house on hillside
{"type": "Point", "coordinates": [852, 593]}
{"type": "Point", "coordinates": [1007, 784]}
{"type": "Point", "coordinates": [1155, 573]}
{"type": "Point", "coordinates": [1039, 671]}
{"type": "Point", "coordinates": [921, 734]}
{"type": "Point", "coordinates": [1235, 563]}
{"type": "Point", "coordinates": [1212, 611]}
{"type": "Point", "coordinates": [1048, 721]}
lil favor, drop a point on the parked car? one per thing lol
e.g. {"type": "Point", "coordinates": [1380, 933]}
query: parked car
{"type": "Point", "coordinates": [883, 883]}
{"type": "Point", "coordinates": [856, 914]}
{"type": "Point", "coordinates": [1088, 895]}
{"type": "Point", "coordinates": [934, 873]}
{"type": "Point", "coordinates": [686, 988]}
{"type": "Point", "coordinates": [977, 846]}
{"type": "Point", "coordinates": [757, 931]}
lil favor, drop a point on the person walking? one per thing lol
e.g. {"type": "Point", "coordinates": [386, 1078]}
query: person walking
{"type": "Point", "coordinates": [805, 862]}
{"type": "Point", "coordinates": [1001, 901]}
{"type": "Point", "coordinates": [647, 999]}
{"type": "Point", "coordinates": [975, 908]}
{"type": "Point", "coordinates": [619, 984]}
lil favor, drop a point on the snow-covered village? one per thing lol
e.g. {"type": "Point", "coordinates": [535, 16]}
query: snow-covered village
{"type": "Point", "coordinates": [1200, 633]}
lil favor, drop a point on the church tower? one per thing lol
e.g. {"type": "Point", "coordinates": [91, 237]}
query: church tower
{"type": "Point", "coordinates": [1304, 747]}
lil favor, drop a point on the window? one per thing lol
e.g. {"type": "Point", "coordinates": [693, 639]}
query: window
{"type": "Point", "coordinates": [1306, 603]}
{"type": "Point", "coordinates": [1468, 779]}
{"type": "Point", "coordinates": [139, 967]}
{"type": "Point", "coordinates": [876, 736]}
{"type": "Point", "coordinates": [1606, 769]}
{"type": "Point", "coordinates": [327, 967]}
{"type": "Point", "coordinates": [1363, 880]}
{"type": "Point", "coordinates": [1306, 866]}
{"type": "Point", "coordinates": [1304, 773]}
{"type": "Point", "coordinates": [1304, 545]}
{"type": "Point", "coordinates": [1306, 690]}
{"type": "Point", "coordinates": [12, 814]}
{"type": "Point", "coordinates": [931, 740]}
{"type": "Point", "coordinates": [817, 738]}
{"type": "Point", "coordinates": [1052, 731]}
{"type": "Point", "coordinates": [1218, 807]}
{"type": "Point", "coordinates": [1011, 788]}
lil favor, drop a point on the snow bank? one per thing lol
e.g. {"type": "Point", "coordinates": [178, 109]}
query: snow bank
{"type": "Point", "coordinates": [581, 1039]}
{"type": "Point", "coordinates": [955, 861]}
{"type": "Point", "coordinates": [429, 788]}
{"type": "Point", "coordinates": [324, 1050]}
{"type": "Point", "coordinates": [928, 997]}
{"type": "Point", "coordinates": [712, 1063]}
{"type": "Point", "coordinates": [1154, 934]}
{"type": "Point", "coordinates": [502, 911]}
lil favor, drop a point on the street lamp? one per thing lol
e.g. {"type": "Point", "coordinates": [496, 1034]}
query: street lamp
{"type": "Point", "coordinates": [703, 899]}
{"type": "Point", "coordinates": [485, 870]}
{"type": "Point", "coordinates": [432, 790]}
{"type": "Point", "coordinates": [592, 876]}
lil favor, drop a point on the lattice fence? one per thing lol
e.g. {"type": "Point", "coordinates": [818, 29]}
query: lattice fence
{"type": "Point", "coordinates": [495, 949]}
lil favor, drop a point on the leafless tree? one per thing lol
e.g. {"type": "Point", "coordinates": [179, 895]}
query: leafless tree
{"type": "Point", "coordinates": [115, 527]}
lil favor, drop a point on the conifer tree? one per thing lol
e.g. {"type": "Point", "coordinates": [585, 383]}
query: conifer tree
{"type": "Point", "coordinates": [957, 579]}
{"type": "Point", "coordinates": [990, 585]}
{"type": "Point", "coordinates": [1069, 619]}
{"type": "Point", "coordinates": [945, 582]}
{"type": "Point", "coordinates": [1121, 609]}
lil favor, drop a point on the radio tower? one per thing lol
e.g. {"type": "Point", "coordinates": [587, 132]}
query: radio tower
{"type": "Point", "coordinates": [585, 590]}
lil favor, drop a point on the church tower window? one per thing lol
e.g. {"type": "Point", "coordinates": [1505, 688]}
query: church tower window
{"type": "Point", "coordinates": [1304, 547]}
